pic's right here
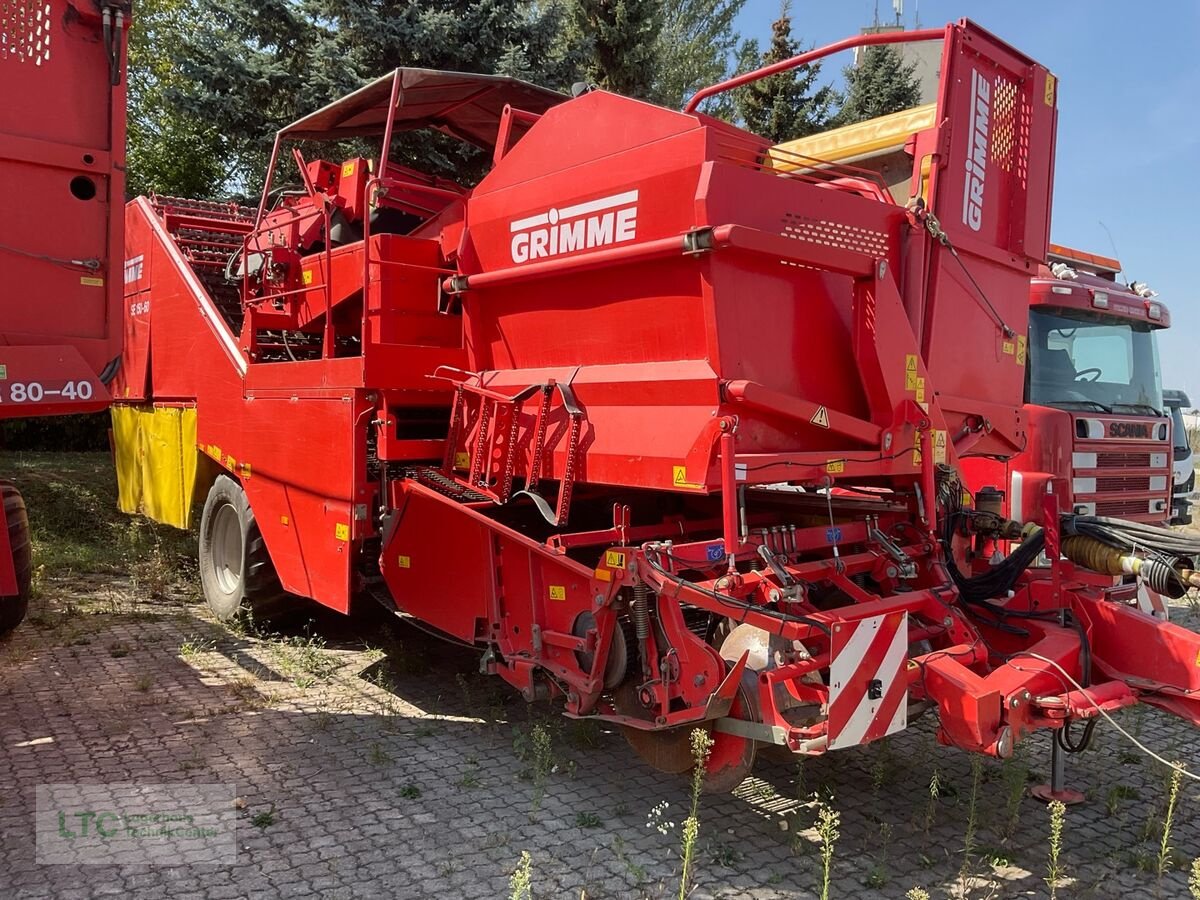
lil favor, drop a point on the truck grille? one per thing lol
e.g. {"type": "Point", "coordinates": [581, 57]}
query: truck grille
{"type": "Point", "coordinates": [1120, 507]}
{"type": "Point", "coordinates": [1111, 460]}
{"type": "Point", "coordinates": [1107, 484]}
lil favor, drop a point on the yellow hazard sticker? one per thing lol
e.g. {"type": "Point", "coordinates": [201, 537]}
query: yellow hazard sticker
{"type": "Point", "coordinates": [916, 456]}
{"type": "Point", "coordinates": [835, 466]}
{"type": "Point", "coordinates": [230, 462]}
{"type": "Point", "coordinates": [347, 170]}
{"type": "Point", "coordinates": [404, 562]}
{"type": "Point", "coordinates": [820, 418]}
{"type": "Point", "coordinates": [558, 592]}
{"type": "Point", "coordinates": [1050, 82]}
{"type": "Point", "coordinates": [920, 393]}
{"type": "Point", "coordinates": [1009, 348]}
{"type": "Point", "coordinates": [284, 520]}
{"type": "Point", "coordinates": [679, 475]}
{"type": "Point", "coordinates": [602, 574]}
{"type": "Point", "coordinates": [1022, 343]}
{"type": "Point", "coordinates": [1198, 659]}
{"type": "Point", "coordinates": [462, 460]}
{"type": "Point", "coordinates": [910, 362]}
{"type": "Point", "coordinates": [341, 531]}
{"type": "Point", "coordinates": [939, 446]}
{"type": "Point", "coordinates": [91, 282]}
{"type": "Point", "coordinates": [910, 381]}
{"type": "Point", "coordinates": [307, 276]}
{"type": "Point", "coordinates": [215, 452]}
{"type": "Point", "coordinates": [245, 470]}
{"type": "Point", "coordinates": [614, 559]}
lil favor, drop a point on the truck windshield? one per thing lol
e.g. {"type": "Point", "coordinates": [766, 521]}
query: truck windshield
{"type": "Point", "coordinates": [1179, 432]}
{"type": "Point", "coordinates": [1085, 359]}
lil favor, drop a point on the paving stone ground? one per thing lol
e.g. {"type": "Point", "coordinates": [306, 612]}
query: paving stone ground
{"type": "Point", "coordinates": [370, 760]}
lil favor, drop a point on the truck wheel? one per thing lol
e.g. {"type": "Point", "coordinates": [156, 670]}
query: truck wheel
{"type": "Point", "coordinates": [235, 570]}
{"type": "Point", "coordinates": [13, 608]}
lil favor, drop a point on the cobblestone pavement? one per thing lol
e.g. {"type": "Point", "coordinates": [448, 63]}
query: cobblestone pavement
{"type": "Point", "coordinates": [372, 761]}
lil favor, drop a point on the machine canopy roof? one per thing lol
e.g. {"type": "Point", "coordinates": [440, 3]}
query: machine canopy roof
{"type": "Point", "coordinates": [462, 105]}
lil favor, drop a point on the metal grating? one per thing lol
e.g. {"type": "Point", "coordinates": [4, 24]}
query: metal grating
{"type": "Point", "coordinates": [1122, 507]}
{"type": "Point", "coordinates": [1122, 460]}
{"type": "Point", "coordinates": [25, 31]}
{"type": "Point", "coordinates": [1117, 483]}
{"type": "Point", "coordinates": [1010, 129]}
{"type": "Point", "coordinates": [835, 234]}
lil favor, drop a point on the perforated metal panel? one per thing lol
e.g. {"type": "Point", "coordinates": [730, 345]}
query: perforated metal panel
{"type": "Point", "coordinates": [841, 235]}
{"type": "Point", "coordinates": [1010, 137]}
{"type": "Point", "coordinates": [25, 31]}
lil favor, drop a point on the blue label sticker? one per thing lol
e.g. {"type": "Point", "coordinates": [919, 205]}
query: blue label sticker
{"type": "Point", "coordinates": [715, 552]}
{"type": "Point", "coordinates": [833, 535]}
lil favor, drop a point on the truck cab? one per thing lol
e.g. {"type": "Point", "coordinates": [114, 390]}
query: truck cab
{"type": "Point", "coordinates": [1093, 394]}
{"type": "Point", "coordinates": [1184, 461]}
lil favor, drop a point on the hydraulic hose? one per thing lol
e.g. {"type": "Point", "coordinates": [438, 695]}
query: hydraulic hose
{"type": "Point", "coordinates": [1161, 574]}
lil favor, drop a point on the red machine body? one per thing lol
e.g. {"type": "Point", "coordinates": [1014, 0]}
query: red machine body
{"type": "Point", "coordinates": [669, 432]}
{"type": "Point", "coordinates": [62, 138]}
{"type": "Point", "coordinates": [62, 141]}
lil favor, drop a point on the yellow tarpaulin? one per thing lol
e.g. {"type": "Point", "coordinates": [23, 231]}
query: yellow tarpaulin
{"type": "Point", "coordinates": [156, 461]}
{"type": "Point", "coordinates": [852, 142]}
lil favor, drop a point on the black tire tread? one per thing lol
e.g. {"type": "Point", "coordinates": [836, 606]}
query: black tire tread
{"type": "Point", "coordinates": [14, 608]}
{"type": "Point", "coordinates": [262, 593]}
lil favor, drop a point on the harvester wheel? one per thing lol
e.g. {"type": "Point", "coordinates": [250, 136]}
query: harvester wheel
{"type": "Point", "coordinates": [731, 757]}
{"type": "Point", "coordinates": [14, 607]}
{"type": "Point", "coordinates": [236, 572]}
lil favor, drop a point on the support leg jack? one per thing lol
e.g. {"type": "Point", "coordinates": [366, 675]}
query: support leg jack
{"type": "Point", "coordinates": [1056, 789]}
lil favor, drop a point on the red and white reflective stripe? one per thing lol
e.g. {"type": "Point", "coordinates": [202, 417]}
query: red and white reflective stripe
{"type": "Point", "coordinates": [870, 650]}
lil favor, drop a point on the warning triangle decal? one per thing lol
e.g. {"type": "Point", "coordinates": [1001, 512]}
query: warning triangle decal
{"type": "Point", "coordinates": [820, 417]}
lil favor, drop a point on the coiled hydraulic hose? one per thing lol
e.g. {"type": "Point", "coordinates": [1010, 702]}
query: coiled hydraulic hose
{"type": "Point", "coordinates": [1159, 573]}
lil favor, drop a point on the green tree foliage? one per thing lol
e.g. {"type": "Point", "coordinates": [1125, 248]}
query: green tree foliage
{"type": "Point", "coordinates": [251, 66]}
{"type": "Point", "coordinates": [790, 104]}
{"type": "Point", "coordinates": [169, 152]}
{"type": "Point", "coordinates": [693, 48]}
{"type": "Point", "coordinates": [619, 39]}
{"type": "Point", "coordinates": [881, 83]}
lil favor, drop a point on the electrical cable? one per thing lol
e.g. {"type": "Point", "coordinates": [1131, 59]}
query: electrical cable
{"type": "Point", "coordinates": [883, 457]}
{"type": "Point", "coordinates": [92, 265]}
{"type": "Point", "coordinates": [1178, 767]}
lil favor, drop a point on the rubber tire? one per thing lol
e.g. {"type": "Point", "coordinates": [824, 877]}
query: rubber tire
{"type": "Point", "coordinates": [257, 590]}
{"type": "Point", "coordinates": [13, 608]}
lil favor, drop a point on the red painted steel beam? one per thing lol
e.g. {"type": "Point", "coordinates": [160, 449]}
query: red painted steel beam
{"type": "Point", "coordinates": [861, 40]}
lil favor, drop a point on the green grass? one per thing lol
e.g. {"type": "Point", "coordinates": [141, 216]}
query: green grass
{"type": "Point", "coordinates": [77, 529]}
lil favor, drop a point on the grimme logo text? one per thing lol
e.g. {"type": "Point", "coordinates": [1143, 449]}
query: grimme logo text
{"type": "Point", "coordinates": [596, 223]}
{"type": "Point", "coordinates": [981, 115]}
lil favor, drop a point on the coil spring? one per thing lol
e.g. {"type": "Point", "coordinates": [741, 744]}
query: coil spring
{"type": "Point", "coordinates": [640, 610]}
{"type": "Point", "coordinates": [1163, 578]}
{"type": "Point", "coordinates": [1161, 575]}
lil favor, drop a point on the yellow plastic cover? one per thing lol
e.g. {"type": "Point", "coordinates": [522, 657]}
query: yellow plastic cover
{"type": "Point", "coordinates": [852, 142]}
{"type": "Point", "coordinates": [155, 449]}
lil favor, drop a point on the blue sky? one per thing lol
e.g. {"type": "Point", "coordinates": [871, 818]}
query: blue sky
{"type": "Point", "coordinates": [1128, 129]}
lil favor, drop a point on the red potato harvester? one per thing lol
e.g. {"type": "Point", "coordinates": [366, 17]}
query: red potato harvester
{"type": "Point", "coordinates": [665, 424]}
